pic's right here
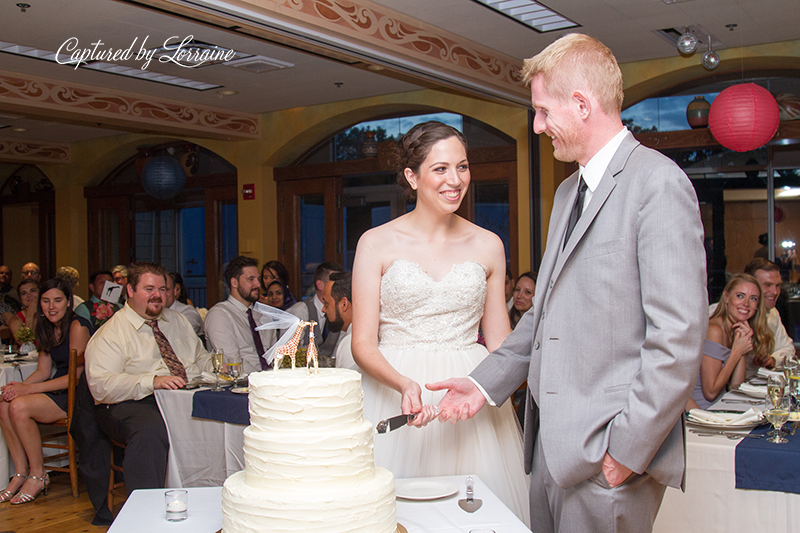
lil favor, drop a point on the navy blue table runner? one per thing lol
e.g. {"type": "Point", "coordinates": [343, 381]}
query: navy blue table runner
{"type": "Point", "coordinates": [222, 406]}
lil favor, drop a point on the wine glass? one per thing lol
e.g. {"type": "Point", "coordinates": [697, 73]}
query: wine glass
{"type": "Point", "coordinates": [792, 366]}
{"type": "Point", "coordinates": [777, 413]}
{"type": "Point", "coordinates": [217, 359]}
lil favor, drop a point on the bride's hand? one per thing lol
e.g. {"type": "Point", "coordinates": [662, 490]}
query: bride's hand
{"type": "Point", "coordinates": [411, 403]}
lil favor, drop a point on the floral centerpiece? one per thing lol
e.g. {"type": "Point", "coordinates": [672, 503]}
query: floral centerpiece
{"type": "Point", "coordinates": [102, 312]}
{"type": "Point", "coordinates": [25, 337]}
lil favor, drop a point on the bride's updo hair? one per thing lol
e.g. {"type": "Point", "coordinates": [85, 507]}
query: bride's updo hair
{"type": "Point", "coordinates": [414, 147]}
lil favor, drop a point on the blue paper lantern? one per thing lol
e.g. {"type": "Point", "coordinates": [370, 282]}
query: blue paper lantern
{"type": "Point", "coordinates": [163, 177]}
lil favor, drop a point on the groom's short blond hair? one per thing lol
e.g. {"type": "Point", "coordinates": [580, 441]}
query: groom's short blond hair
{"type": "Point", "coordinates": [577, 61]}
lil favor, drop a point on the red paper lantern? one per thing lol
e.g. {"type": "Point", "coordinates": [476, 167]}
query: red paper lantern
{"type": "Point", "coordinates": [744, 117]}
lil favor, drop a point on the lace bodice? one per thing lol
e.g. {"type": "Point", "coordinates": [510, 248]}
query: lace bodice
{"type": "Point", "coordinates": [419, 312]}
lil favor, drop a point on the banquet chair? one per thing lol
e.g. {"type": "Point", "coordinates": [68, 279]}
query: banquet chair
{"type": "Point", "coordinates": [56, 440]}
{"type": "Point", "coordinates": [115, 488]}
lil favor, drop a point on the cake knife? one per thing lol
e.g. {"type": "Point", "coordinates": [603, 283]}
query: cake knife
{"type": "Point", "coordinates": [390, 424]}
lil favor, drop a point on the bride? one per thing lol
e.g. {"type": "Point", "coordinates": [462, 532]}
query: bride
{"type": "Point", "coordinates": [422, 286]}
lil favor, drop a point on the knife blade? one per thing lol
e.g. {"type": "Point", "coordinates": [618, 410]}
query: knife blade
{"type": "Point", "coordinates": [390, 424]}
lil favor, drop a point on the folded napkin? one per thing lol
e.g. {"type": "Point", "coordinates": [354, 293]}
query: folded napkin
{"type": "Point", "coordinates": [766, 373]}
{"type": "Point", "coordinates": [753, 390]}
{"type": "Point", "coordinates": [726, 419]}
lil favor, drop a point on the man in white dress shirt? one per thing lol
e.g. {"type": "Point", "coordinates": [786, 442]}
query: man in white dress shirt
{"type": "Point", "coordinates": [338, 309]}
{"type": "Point", "coordinates": [768, 275]}
{"type": "Point", "coordinates": [171, 302]}
{"type": "Point", "coordinates": [141, 348]}
{"type": "Point", "coordinates": [230, 325]}
{"type": "Point", "coordinates": [311, 309]}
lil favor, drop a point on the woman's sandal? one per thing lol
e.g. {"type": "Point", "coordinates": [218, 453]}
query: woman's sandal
{"type": "Point", "coordinates": [6, 495]}
{"type": "Point", "coordinates": [27, 498]}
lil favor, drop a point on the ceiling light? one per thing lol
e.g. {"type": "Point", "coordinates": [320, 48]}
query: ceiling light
{"type": "Point", "coordinates": [687, 43]}
{"type": "Point", "coordinates": [711, 58]}
{"type": "Point", "coordinates": [23, 7]}
{"type": "Point", "coordinates": [227, 92]}
{"type": "Point", "coordinates": [533, 14]}
{"type": "Point", "coordinates": [19, 130]}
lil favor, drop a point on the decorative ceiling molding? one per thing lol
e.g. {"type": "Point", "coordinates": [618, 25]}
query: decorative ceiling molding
{"type": "Point", "coordinates": [368, 32]}
{"type": "Point", "coordinates": [46, 98]}
{"type": "Point", "coordinates": [19, 151]}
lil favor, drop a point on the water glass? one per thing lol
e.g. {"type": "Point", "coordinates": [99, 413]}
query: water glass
{"type": "Point", "coordinates": [177, 504]}
{"type": "Point", "coordinates": [793, 371]}
{"type": "Point", "coordinates": [777, 413]}
{"type": "Point", "coordinates": [234, 363]}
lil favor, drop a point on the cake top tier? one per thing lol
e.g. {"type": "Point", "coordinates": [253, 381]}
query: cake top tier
{"type": "Point", "coordinates": [330, 398]}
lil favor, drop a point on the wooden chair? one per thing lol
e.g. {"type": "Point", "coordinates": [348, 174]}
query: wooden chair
{"type": "Point", "coordinates": [115, 488]}
{"type": "Point", "coordinates": [75, 361]}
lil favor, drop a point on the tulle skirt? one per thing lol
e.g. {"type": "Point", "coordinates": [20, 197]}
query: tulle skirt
{"type": "Point", "coordinates": [489, 444]}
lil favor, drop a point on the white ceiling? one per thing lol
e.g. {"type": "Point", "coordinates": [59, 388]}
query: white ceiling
{"type": "Point", "coordinates": [626, 26]}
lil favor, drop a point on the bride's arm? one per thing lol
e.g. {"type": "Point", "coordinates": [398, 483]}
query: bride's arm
{"type": "Point", "coordinates": [367, 271]}
{"type": "Point", "coordinates": [495, 324]}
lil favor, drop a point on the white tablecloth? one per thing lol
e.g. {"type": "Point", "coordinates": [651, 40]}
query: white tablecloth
{"type": "Point", "coordinates": [202, 453]}
{"type": "Point", "coordinates": [712, 504]}
{"type": "Point", "coordinates": [9, 372]}
{"type": "Point", "coordinates": [144, 511]}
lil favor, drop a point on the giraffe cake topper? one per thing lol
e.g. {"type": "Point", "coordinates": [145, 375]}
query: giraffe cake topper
{"type": "Point", "coordinates": [273, 318]}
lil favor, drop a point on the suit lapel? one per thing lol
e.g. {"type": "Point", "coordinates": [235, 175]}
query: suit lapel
{"type": "Point", "coordinates": [599, 197]}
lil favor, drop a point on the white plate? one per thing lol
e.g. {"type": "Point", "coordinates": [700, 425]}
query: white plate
{"type": "Point", "coordinates": [240, 390]}
{"type": "Point", "coordinates": [717, 425]}
{"type": "Point", "coordinates": [425, 490]}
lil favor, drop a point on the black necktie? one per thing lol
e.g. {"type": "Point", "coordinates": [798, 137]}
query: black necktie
{"type": "Point", "coordinates": [577, 210]}
{"type": "Point", "coordinates": [257, 340]}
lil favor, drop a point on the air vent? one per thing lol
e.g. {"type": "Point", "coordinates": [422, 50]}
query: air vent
{"type": "Point", "coordinates": [258, 64]}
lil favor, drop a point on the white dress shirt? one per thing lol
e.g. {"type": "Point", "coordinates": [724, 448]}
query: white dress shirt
{"type": "Point", "coordinates": [594, 170]}
{"type": "Point", "coordinates": [344, 352]}
{"type": "Point", "coordinates": [301, 311]}
{"type": "Point", "coordinates": [228, 329]}
{"type": "Point", "coordinates": [190, 313]}
{"type": "Point", "coordinates": [123, 358]}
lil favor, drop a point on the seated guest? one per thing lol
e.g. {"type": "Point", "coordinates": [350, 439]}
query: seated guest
{"type": "Point", "coordinates": [72, 277]}
{"type": "Point", "coordinates": [31, 271]}
{"type": "Point", "coordinates": [142, 348]}
{"type": "Point", "coordinates": [769, 278]}
{"type": "Point", "coordinates": [120, 276]}
{"type": "Point", "coordinates": [272, 271]}
{"type": "Point", "coordinates": [737, 327]}
{"type": "Point", "coordinates": [277, 295]}
{"type": "Point", "coordinates": [311, 309]}
{"type": "Point", "coordinates": [171, 302]}
{"type": "Point", "coordinates": [509, 287]}
{"type": "Point", "coordinates": [230, 325]}
{"type": "Point", "coordinates": [8, 296]}
{"type": "Point", "coordinates": [40, 398]}
{"type": "Point", "coordinates": [523, 297]}
{"type": "Point", "coordinates": [28, 291]}
{"type": "Point", "coordinates": [338, 309]}
{"type": "Point", "coordinates": [97, 311]}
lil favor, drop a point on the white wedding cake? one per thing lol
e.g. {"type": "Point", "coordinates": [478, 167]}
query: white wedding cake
{"type": "Point", "coordinates": [308, 459]}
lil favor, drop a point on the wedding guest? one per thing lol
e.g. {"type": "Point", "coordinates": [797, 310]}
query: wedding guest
{"type": "Point", "coordinates": [40, 398]}
{"type": "Point", "coordinates": [28, 291]}
{"type": "Point", "coordinates": [142, 348]}
{"type": "Point", "coordinates": [275, 270]}
{"type": "Point", "coordinates": [613, 341]}
{"type": "Point", "coordinates": [231, 324]}
{"type": "Point", "coordinates": [509, 288]}
{"type": "Point", "coordinates": [72, 277]}
{"type": "Point", "coordinates": [31, 271]}
{"type": "Point", "coordinates": [97, 311]}
{"type": "Point", "coordinates": [189, 311]}
{"type": "Point", "coordinates": [277, 294]}
{"type": "Point", "coordinates": [737, 327]}
{"type": "Point", "coordinates": [8, 295]}
{"type": "Point", "coordinates": [120, 276]}
{"type": "Point", "coordinates": [311, 309]}
{"type": "Point", "coordinates": [338, 309]}
{"type": "Point", "coordinates": [523, 297]}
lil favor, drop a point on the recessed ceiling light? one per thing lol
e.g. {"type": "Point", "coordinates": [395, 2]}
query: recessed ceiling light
{"type": "Point", "coordinates": [227, 92]}
{"type": "Point", "coordinates": [19, 130]}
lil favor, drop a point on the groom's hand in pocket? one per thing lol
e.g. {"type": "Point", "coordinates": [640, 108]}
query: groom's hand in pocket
{"type": "Point", "coordinates": [462, 400]}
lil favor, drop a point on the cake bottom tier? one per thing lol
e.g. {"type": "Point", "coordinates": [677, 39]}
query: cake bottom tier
{"type": "Point", "coordinates": [369, 507]}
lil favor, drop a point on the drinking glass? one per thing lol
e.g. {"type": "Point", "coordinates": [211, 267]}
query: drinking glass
{"type": "Point", "coordinates": [217, 359]}
{"type": "Point", "coordinates": [234, 363]}
{"type": "Point", "coordinates": [777, 413]}
{"type": "Point", "coordinates": [793, 369]}
{"type": "Point", "coordinates": [776, 384]}
{"type": "Point", "coordinates": [177, 503]}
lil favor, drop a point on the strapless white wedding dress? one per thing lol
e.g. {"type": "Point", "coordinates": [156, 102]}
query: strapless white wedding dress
{"type": "Point", "coordinates": [428, 331]}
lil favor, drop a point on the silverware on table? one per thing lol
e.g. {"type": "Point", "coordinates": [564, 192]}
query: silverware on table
{"type": "Point", "coordinates": [470, 504]}
{"type": "Point", "coordinates": [751, 402]}
{"type": "Point", "coordinates": [723, 433]}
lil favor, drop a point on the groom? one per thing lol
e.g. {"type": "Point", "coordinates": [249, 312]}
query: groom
{"type": "Point", "coordinates": [612, 346]}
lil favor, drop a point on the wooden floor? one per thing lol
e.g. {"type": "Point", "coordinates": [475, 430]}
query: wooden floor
{"type": "Point", "coordinates": [58, 512]}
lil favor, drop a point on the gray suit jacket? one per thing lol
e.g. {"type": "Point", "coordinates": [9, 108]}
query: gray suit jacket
{"type": "Point", "coordinates": [612, 346]}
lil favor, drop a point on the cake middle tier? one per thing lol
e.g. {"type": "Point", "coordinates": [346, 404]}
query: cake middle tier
{"type": "Point", "coordinates": [276, 459]}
